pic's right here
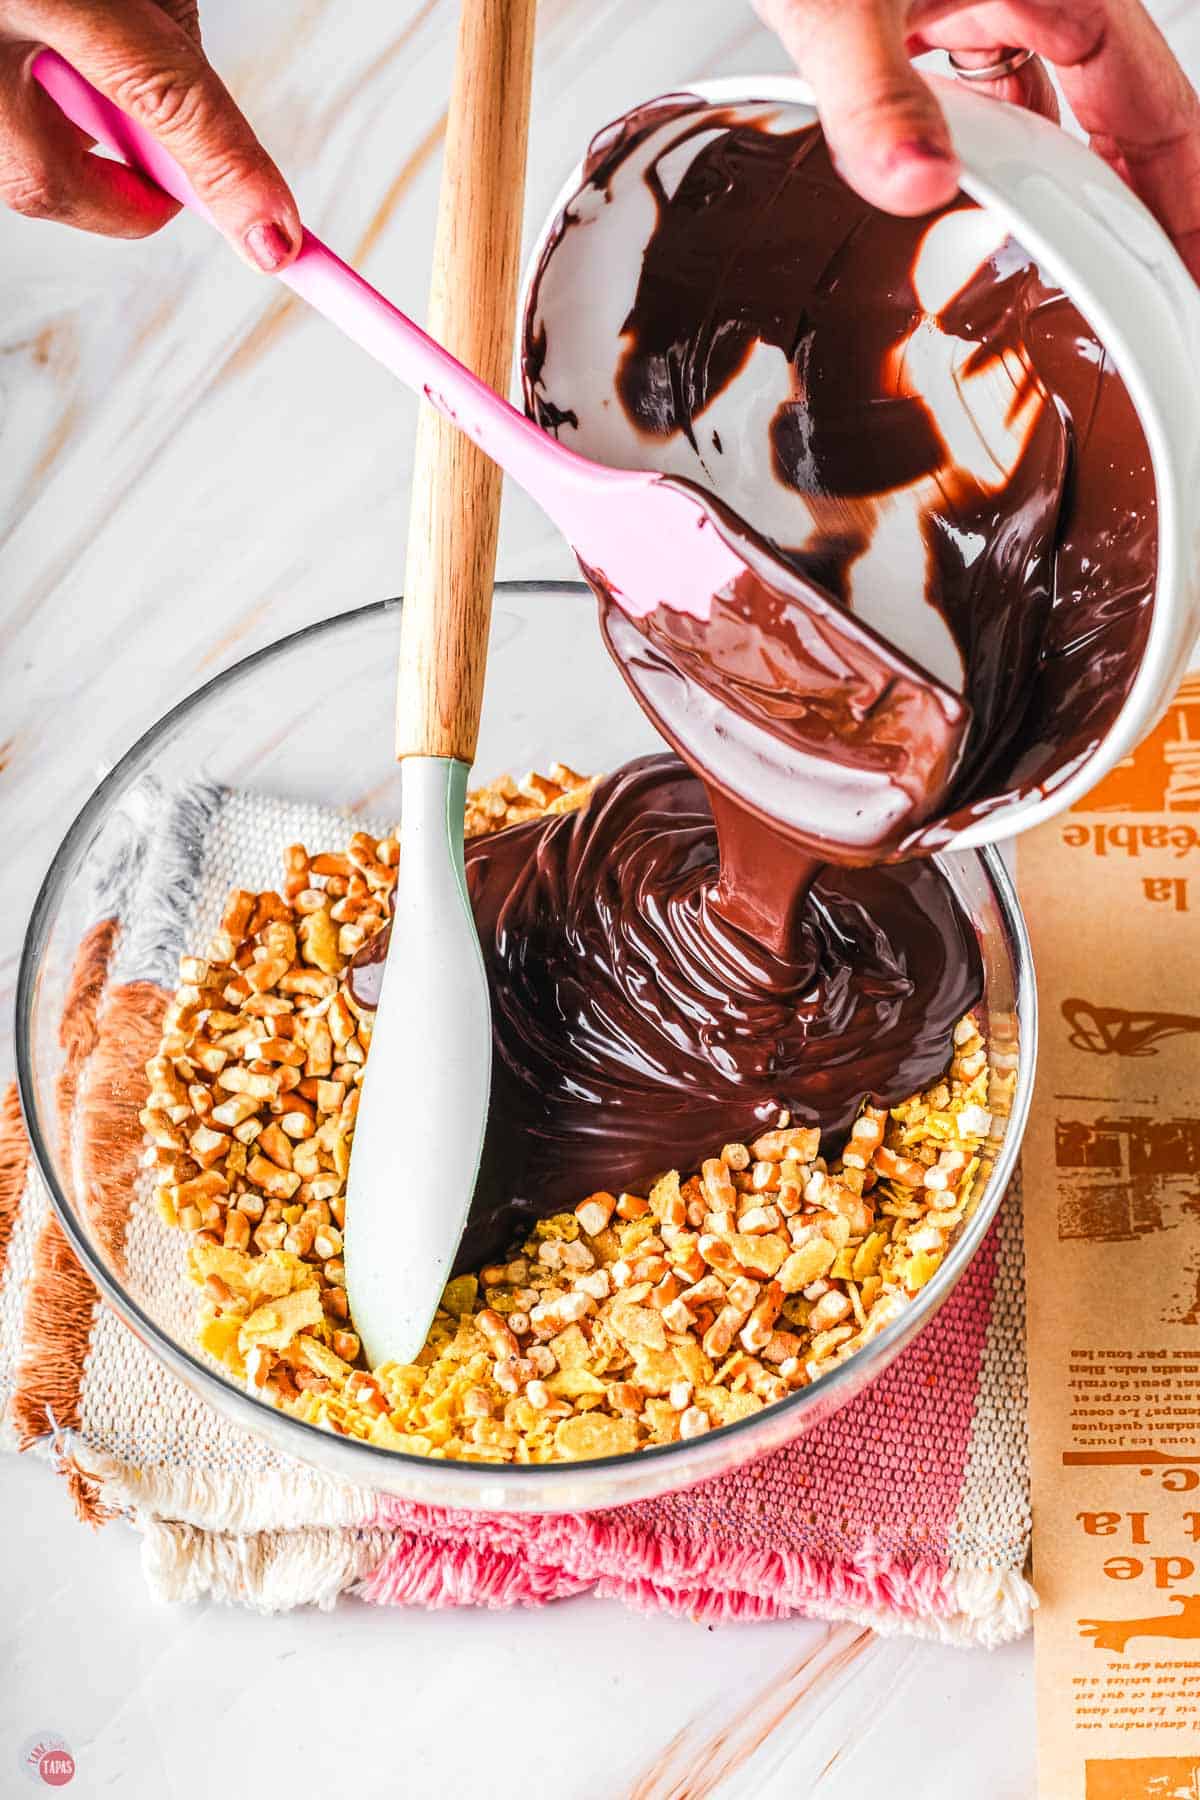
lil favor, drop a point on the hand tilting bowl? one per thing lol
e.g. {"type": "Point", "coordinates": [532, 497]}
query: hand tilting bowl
{"type": "Point", "coordinates": [308, 720]}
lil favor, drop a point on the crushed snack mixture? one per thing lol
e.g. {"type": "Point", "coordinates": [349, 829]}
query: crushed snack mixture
{"type": "Point", "coordinates": [637, 1319]}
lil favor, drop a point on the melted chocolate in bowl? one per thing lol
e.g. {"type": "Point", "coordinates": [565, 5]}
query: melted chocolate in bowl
{"type": "Point", "coordinates": [636, 1031]}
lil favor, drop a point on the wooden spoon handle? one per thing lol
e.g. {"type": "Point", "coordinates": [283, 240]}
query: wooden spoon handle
{"type": "Point", "coordinates": [455, 512]}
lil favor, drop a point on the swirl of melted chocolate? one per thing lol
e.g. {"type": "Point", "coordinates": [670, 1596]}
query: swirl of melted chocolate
{"type": "Point", "coordinates": [635, 1030]}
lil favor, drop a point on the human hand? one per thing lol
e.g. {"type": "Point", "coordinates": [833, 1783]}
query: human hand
{"type": "Point", "coordinates": [886, 129]}
{"type": "Point", "coordinates": [145, 55]}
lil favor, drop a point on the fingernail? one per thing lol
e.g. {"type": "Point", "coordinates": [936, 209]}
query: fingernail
{"type": "Point", "coordinates": [269, 247]}
{"type": "Point", "coordinates": [922, 149]}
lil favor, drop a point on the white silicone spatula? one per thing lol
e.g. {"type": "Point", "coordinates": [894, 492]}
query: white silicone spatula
{"type": "Point", "coordinates": [421, 1119]}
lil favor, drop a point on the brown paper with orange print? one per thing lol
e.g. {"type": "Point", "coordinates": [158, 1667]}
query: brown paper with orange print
{"type": "Point", "coordinates": [1112, 1221]}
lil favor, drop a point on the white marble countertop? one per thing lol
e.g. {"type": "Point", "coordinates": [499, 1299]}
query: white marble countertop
{"type": "Point", "coordinates": [189, 468]}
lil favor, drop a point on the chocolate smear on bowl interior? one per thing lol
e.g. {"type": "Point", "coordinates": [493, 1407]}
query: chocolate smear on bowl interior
{"type": "Point", "coordinates": [890, 384]}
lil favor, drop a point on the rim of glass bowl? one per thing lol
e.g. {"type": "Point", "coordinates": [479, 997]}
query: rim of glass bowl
{"type": "Point", "coordinates": [309, 1440]}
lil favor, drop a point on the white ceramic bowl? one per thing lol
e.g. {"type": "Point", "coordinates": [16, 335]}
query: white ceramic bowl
{"type": "Point", "coordinates": [1096, 241]}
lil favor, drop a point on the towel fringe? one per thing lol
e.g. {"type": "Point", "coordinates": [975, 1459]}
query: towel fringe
{"type": "Point", "coordinates": [269, 1571]}
{"type": "Point", "coordinates": [225, 1502]}
{"type": "Point", "coordinates": [59, 1314]}
{"type": "Point", "coordinates": [573, 1555]}
{"type": "Point", "coordinates": [202, 1535]}
{"type": "Point", "coordinates": [14, 1165]}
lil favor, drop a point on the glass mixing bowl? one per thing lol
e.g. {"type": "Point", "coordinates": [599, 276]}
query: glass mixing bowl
{"type": "Point", "coordinates": [311, 720]}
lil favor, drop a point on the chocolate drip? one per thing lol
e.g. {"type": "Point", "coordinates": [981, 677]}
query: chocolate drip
{"type": "Point", "coordinates": [637, 1030]}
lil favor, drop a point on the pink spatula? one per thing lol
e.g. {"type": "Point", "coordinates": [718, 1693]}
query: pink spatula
{"type": "Point", "coordinates": [641, 533]}
{"type": "Point", "coordinates": [653, 541]}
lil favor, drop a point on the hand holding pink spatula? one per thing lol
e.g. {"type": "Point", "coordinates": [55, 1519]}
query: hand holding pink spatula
{"type": "Point", "coordinates": [655, 540]}
{"type": "Point", "coordinates": [630, 525]}
{"type": "Point", "coordinates": [649, 541]}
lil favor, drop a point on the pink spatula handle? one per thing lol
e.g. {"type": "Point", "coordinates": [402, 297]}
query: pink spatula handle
{"type": "Point", "coordinates": [333, 289]}
{"type": "Point", "coordinates": [637, 530]}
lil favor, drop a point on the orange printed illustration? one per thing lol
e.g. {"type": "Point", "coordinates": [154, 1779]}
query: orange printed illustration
{"type": "Point", "coordinates": [1117, 1031]}
{"type": "Point", "coordinates": [1115, 1634]}
{"type": "Point", "coordinates": [1164, 773]}
{"type": "Point", "coordinates": [1124, 1177]}
{"type": "Point", "coordinates": [1143, 1778]}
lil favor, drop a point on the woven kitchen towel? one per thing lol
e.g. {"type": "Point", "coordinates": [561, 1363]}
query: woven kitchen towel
{"type": "Point", "coordinates": [907, 1511]}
